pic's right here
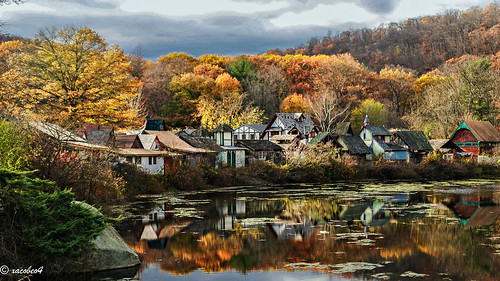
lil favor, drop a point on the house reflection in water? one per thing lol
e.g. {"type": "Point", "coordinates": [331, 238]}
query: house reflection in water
{"type": "Point", "coordinates": [157, 214]}
{"type": "Point", "coordinates": [376, 214]}
{"type": "Point", "coordinates": [473, 210]}
{"type": "Point", "coordinates": [290, 230]}
{"type": "Point", "coordinates": [229, 211]}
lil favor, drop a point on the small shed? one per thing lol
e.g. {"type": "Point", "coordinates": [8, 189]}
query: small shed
{"type": "Point", "coordinates": [416, 144]}
{"type": "Point", "coordinates": [448, 148]}
{"type": "Point", "coordinates": [262, 150]}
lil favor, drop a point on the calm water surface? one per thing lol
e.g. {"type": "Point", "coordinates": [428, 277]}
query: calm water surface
{"type": "Point", "coordinates": [401, 231]}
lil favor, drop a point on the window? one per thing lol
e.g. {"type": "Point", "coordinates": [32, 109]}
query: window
{"type": "Point", "coordinates": [244, 137]}
{"type": "Point", "coordinates": [235, 137]}
{"type": "Point", "coordinates": [252, 136]}
{"type": "Point", "coordinates": [138, 160]}
{"type": "Point", "coordinates": [152, 160]}
{"type": "Point", "coordinates": [129, 159]}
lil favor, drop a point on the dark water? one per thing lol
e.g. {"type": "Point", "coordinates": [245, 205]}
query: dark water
{"type": "Point", "coordinates": [434, 231]}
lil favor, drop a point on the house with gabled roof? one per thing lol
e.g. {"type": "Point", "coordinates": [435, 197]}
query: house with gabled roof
{"type": "Point", "coordinates": [476, 137]}
{"type": "Point", "coordinates": [203, 143]}
{"type": "Point", "coordinates": [299, 124]}
{"type": "Point", "coordinates": [249, 132]}
{"type": "Point", "coordinates": [201, 132]}
{"type": "Point", "coordinates": [150, 142]}
{"type": "Point", "coordinates": [378, 139]}
{"type": "Point", "coordinates": [415, 143]}
{"type": "Point", "coordinates": [353, 146]}
{"type": "Point", "coordinates": [128, 141]}
{"type": "Point", "coordinates": [232, 155]}
{"type": "Point", "coordinates": [187, 153]}
{"type": "Point", "coordinates": [263, 150]}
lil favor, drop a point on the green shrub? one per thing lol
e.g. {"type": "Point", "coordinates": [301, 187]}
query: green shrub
{"type": "Point", "coordinates": [39, 222]}
{"type": "Point", "coordinates": [138, 181]}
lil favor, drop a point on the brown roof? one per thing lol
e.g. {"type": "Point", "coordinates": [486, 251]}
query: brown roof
{"type": "Point", "coordinates": [483, 130]}
{"type": "Point", "coordinates": [128, 141]}
{"type": "Point", "coordinates": [484, 216]}
{"type": "Point", "coordinates": [142, 152]}
{"type": "Point", "coordinates": [171, 141]}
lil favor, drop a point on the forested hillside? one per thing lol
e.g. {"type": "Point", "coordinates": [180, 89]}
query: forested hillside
{"type": "Point", "coordinates": [427, 74]}
{"type": "Point", "coordinates": [421, 44]}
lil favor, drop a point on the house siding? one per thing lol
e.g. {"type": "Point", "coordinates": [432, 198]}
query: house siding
{"type": "Point", "coordinates": [464, 139]}
{"type": "Point", "coordinates": [157, 168]}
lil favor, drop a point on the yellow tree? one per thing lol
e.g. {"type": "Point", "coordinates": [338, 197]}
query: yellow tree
{"type": "Point", "coordinates": [375, 110]}
{"type": "Point", "coordinates": [295, 103]}
{"type": "Point", "coordinates": [227, 105]}
{"type": "Point", "coordinates": [73, 77]}
{"type": "Point", "coordinates": [397, 88]}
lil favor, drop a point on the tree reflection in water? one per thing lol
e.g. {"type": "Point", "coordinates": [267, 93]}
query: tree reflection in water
{"type": "Point", "coordinates": [440, 234]}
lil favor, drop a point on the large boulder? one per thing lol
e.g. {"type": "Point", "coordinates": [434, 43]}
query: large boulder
{"type": "Point", "coordinates": [110, 252]}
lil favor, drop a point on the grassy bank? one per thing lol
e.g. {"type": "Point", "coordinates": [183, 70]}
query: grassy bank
{"type": "Point", "coordinates": [327, 170]}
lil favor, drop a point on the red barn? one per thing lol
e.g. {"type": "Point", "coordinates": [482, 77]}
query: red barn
{"type": "Point", "coordinates": [476, 137]}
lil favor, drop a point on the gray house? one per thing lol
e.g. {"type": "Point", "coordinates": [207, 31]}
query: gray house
{"type": "Point", "coordinates": [415, 143]}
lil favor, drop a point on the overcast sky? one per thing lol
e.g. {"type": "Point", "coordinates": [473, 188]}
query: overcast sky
{"type": "Point", "coordinates": [226, 27]}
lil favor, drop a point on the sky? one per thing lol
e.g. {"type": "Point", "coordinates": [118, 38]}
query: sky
{"type": "Point", "coordinates": [153, 28]}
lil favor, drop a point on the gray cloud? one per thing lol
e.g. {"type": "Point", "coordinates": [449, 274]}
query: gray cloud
{"type": "Point", "coordinates": [99, 4]}
{"type": "Point", "coordinates": [217, 33]}
{"type": "Point", "coordinates": [379, 6]}
{"type": "Point", "coordinates": [159, 35]}
{"type": "Point", "coordinates": [373, 6]}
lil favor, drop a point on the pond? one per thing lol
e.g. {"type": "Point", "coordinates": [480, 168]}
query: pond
{"type": "Point", "coordinates": [345, 231]}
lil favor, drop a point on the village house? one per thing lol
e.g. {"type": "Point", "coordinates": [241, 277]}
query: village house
{"type": "Point", "coordinates": [187, 153]}
{"type": "Point", "coordinates": [263, 150]}
{"type": "Point", "coordinates": [449, 149]}
{"type": "Point", "coordinates": [206, 143]}
{"type": "Point", "coordinates": [378, 139]}
{"type": "Point", "coordinates": [476, 137]}
{"type": "Point", "coordinates": [232, 155]}
{"type": "Point", "coordinates": [415, 143]}
{"type": "Point", "coordinates": [99, 135]}
{"type": "Point", "coordinates": [128, 141]}
{"type": "Point", "coordinates": [249, 132]}
{"type": "Point", "coordinates": [150, 161]}
{"type": "Point", "coordinates": [298, 124]}
{"type": "Point", "coordinates": [354, 146]}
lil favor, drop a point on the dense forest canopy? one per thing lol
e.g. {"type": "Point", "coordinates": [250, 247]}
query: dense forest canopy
{"type": "Point", "coordinates": [428, 73]}
{"type": "Point", "coordinates": [421, 44]}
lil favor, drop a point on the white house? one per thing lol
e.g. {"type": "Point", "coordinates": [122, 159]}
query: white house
{"type": "Point", "coordinates": [249, 132]}
{"type": "Point", "coordinates": [151, 161]}
{"type": "Point", "coordinates": [232, 155]}
{"type": "Point", "coordinates": [299, 124]}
